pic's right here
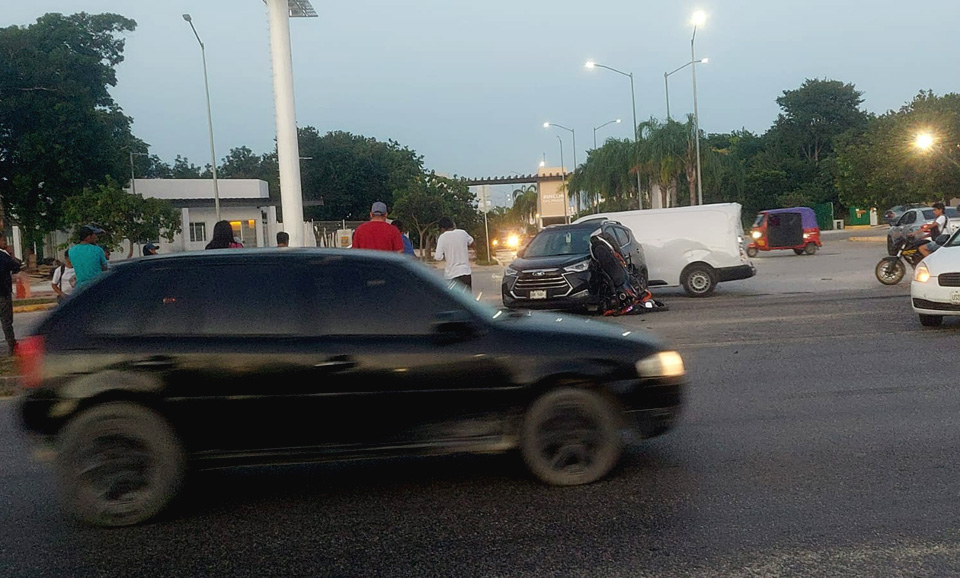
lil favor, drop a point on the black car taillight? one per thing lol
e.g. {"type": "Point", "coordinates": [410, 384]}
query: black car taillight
{"type": "Point", "coordinates": [30, 353]}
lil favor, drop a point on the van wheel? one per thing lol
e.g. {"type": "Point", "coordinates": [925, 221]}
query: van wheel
{"type": "Point", "coordinates": [810, 249]}
{"type": "Point", "coordinates": [752, 252]}
{"type": "Point", "coordinates": [118, 464]}
{"type": "Point", "coordinates": [698, 280]}
{"type": "Point", "coordinates": [570, 437]}
{"type": "Point", "coordinates": [931, 320]}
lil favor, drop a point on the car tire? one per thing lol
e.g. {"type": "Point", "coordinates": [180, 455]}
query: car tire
{"type": "Point", "coordinates": [118, 464]}
{"type": "Point", "coordinates": [931, 320]}
{"type": "Point", "coordinates": [810, 249]}
{"type": "Point", "coordinates": [698, 280]}
{"type": "Point", "coordinates": [752, 252]}
{"type": "Point", "coordinates": [570, 437]}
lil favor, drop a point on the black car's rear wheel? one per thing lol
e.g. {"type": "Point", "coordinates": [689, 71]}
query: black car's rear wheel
{"type": "Point", "coordinates": [570, 437]}
{"type": "Point", "coordinates": [118, 464]}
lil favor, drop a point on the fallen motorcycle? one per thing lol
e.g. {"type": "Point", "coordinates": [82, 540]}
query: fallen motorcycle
{"type": "Point", "coordinates": [621, 292]}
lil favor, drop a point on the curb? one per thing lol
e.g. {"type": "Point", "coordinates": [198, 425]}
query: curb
{"type": "Point", "coordinates": [34, 307]}
{"type": "Point", "coordinates": [874, 239]}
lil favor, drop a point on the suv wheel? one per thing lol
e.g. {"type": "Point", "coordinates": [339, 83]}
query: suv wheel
{"type": "Point", "coordinates": [118, 464]}
{"type": "Point", "coordinates": [698, 280]}
{"type": "Point", "coordinates": [570, 437]}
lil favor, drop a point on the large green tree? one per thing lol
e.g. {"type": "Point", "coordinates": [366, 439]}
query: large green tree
{"type": "Point", "coordinates": [60, 129]}
{"type": "Point", "coordinates": [425, 199]}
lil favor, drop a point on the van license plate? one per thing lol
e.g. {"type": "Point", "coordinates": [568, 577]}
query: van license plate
{"type": "Point", "coordinates": [541, 294]}
{"type": "Point", "coordinates": [955, 298]}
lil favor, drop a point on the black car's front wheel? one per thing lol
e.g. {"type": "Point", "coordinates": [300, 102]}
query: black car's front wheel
{"type": "Point", "coordinates": [118, 464]}
{"type": "Point", "coordinates": [570, 437]}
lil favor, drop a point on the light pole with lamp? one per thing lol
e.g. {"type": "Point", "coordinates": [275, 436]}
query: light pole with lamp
{"type": "Point", "coordinates": [699, 18]}
{"type": "Point", "coordinates": [666, 85]}
{"type": "Point", "coordinates": [633, 100]}
{"type": "Point", "coordinates": [596, 128]}
{"type": "Point", "coordinates": [563, 180]}
{"type": "Point", "coordinates": [574, 134]}
{"type": "Point", "coordinates": [133, 175]}
{"type": "Point", "coordinates": [206, 85]}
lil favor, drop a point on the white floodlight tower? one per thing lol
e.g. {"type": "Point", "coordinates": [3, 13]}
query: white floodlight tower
{"type": "Point", "coordinates": [288, 149]}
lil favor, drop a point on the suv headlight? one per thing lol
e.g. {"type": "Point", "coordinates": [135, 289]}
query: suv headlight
{"type": "Point", "coordinates": [579, 267]}
{"type": "Point", "coordinates": [511, 272]}
{"type": "Point", "coordinates": [663, 364]}
{"type": "Point", "coordinates": [922, 274]}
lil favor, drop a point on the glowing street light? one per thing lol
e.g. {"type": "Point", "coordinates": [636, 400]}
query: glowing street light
{"type": "Point", "coordinates": [596, 128]}
{"type": "Point", "coordinates": [698, 20]}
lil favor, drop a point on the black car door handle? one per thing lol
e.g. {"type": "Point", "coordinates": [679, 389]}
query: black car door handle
{"type": "Point", "coordinates": [156, 362]}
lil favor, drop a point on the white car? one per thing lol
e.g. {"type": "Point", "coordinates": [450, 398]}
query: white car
{"type": "Point", "coordinates": [935, 290]}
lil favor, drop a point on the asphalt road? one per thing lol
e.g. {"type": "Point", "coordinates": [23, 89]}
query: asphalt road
{"type": "Point", "coordinates": [819, 438]}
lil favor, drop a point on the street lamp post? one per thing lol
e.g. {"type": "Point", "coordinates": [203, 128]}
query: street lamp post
{"type": "Point", "coordinates": [206, 85]}
{"type": "Point", "coordinates": [574, 135]}
{"type": "Point", "coordinates": [666, 75]}
{"type": "Point", "coordinates": [563, 179]}
{"type": "Point", "coordinates": [699, 18]}
{"type": "Point", "coordinates": [133, 175]}
{"type": "Point", "coordinates": [596, 128]}
{"type": "Point", "coordinates": [636, 137]}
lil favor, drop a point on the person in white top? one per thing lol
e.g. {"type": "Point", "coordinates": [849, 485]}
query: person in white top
{"type": "Point", "coordinates": [64, 279]}
{"type": "Point", "coordinates": [453, 248]}
{"type": "Point", "coordinates": [936, 228]}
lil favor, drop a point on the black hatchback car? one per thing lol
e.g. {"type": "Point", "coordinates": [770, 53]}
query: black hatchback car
{"type": "Point", "coordinates": [555, 271]}
{"type": "Point", "coordinates": [226, 358]}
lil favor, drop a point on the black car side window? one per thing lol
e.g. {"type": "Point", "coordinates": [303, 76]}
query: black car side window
{"type": "Point", "coordinates": [377, 300]}
{"type": "Point", "coordinates": [622, 237]}
{"type": "Point", "coordinates": [228, 300]}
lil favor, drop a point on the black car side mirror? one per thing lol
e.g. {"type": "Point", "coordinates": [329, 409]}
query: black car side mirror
{"type": "Point", "coordinates": [453, 326]}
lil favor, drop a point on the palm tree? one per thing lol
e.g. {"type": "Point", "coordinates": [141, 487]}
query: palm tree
{"type": "Point", "coordinates": [524, 208]}
{"type": "Point", "coordinates": [663, 149]}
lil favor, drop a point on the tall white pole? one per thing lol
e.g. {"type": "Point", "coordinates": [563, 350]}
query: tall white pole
{"type": "Point", "coordinates": [288, 149]}
{"type": "Point", "coordinates": [696, 115]}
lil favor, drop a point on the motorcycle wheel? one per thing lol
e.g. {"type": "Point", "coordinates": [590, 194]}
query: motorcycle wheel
{"type": "Point", "coordinates": [890, 270]}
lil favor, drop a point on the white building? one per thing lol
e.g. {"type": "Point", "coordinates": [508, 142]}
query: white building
{"type": "Point", "coordinates": [244, 202]}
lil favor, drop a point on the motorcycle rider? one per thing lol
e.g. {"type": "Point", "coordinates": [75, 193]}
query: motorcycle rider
{"type": "Point", "coordinates": [936, 228]}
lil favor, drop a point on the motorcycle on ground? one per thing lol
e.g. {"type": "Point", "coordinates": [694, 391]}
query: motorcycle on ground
{"type": "Point", "coordinates": [621, 292]}
{"type": "Point", "coordinates": [890, 270]}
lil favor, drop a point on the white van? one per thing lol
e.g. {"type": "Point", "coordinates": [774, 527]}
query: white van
{"type": "Point", "coordinates": [693, 247]}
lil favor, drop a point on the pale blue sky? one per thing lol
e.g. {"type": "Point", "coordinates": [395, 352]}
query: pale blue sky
{"type": "Point", "coordinates": [469, 84]}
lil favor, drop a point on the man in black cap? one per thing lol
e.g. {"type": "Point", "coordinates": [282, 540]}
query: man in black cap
{"type": "Point", "coordinates": [149, 249]}
{"type": "Point", "coordinates": [88, 258]}
{"type": "Point", "coordinates": [8, 266]}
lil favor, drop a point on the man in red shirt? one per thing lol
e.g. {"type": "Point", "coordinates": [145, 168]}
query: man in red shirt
{"type": "Point", "coordinates": [377, 233]}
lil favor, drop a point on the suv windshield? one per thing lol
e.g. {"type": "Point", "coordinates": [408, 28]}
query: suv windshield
{"type": "Point", "coordinates": [554, 242]}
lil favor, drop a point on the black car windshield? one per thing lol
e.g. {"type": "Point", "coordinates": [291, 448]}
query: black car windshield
{"type": "Point", "coordinates": [554, 242]}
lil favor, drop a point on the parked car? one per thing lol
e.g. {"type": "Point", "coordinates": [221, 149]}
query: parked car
{"type": "Point", "coordinates": [935, 290]}
{"type": "Point", "coordinates": [893, 214]}
{"type": "Point", "coordinates": [225, 358]}
{"type": "Point", "coordinates": [693, 247]}
{"type": "Point", "coordinates": [555, 271]}
{"type": "Point", "coordinates": [911, 220]}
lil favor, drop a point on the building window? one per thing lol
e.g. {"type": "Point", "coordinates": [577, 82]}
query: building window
{"type": "Point", "coordinates": [198, 232]}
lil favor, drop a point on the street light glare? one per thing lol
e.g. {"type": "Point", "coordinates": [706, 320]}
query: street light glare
{"type": "Point", "coordinates": [546, 125]}
{"type": "Point", "coordinates": [618, 121]}
{"type": "Point", "coordinates": [704, 60]}
{"type": "Point", "coordinates": [699, 18]}
{"type": "Point", "coordinates": [590, 64]}
{"type": "Point", "coordinates": [924, 141]}
{"type": "Point", "coordinates": [187, 18]}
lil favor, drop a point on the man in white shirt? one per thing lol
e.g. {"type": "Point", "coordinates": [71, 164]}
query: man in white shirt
{"type": "Point", "coordinates": [64, 279]}
{"type": "Point", "coordinates": [452, 248]}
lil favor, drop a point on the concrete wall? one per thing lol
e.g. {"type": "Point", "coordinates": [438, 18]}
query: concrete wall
{"type": "Point", "coordinates": [202, 188]}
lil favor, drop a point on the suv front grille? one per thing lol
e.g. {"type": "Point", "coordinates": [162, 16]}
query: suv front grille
{"type": "Point", "coordinates": [553, 282]}
{"type": "Point", "coordinates": [949, 280]}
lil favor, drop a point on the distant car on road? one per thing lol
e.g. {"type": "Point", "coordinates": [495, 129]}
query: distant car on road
{"type": "Point", "coordinates": [555, 270]}
{"type": "Point", "coordinates": [909, 223]}
{"type": "Point", "coordinates": [935, 290]}
{"type": "Point", "coordinates": [893, 214]}
{"type": "Point", "coordinates": [223, 358]}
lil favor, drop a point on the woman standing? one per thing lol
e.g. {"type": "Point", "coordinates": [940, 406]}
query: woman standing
{"type": "Point", "coordinates": [223, 237]}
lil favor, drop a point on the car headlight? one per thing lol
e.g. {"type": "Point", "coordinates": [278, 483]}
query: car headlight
{"type": "Point", "coordinates": [495, 242]}
{"type": "Point", "coordinates": [922, 274]}
{"type": "Point", "coordinates": [579, 267]}
{"type": "Point", "coordinates": [511, 272]}
{"type": "Point", "coordinates": [513, 241]}
{"type": "Point", "coordinates": [663, 364]}
{"type": "Point", "coordinates": [756, 234]}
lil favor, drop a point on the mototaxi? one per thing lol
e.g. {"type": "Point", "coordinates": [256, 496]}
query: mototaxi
{"type": "Point", "coordinates": [782, 229]}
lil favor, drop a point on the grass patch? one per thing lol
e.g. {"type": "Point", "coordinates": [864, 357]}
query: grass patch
{"type": "Point", "coordinates": [34, 301]}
